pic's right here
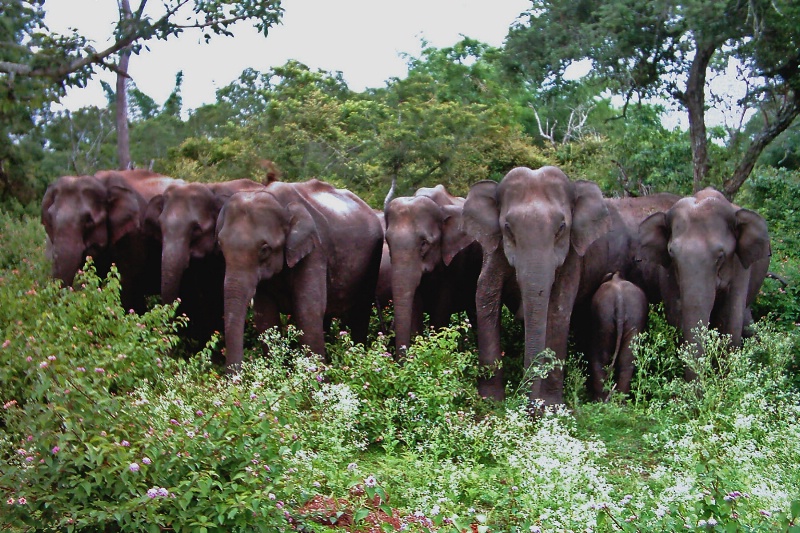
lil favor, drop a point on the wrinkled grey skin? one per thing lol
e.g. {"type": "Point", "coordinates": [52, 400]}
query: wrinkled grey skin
{"type": "Point", "coordinates": [619, 311]}
{"type": "Point", "coordinates": [434, 263]}
{"type": "Point", "coordinates": [548, 243]}
{"type": "Point", "coordinates": [305, 249]}
{"type": "Point", "coordinates": [183, 220]}
{"type": "Point", "coordinates": [714, 257]}
{"type": "Point", "coordinates": [101, 216]}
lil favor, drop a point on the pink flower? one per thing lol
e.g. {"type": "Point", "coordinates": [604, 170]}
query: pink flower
{"type": "Point", "coordinates": [371, 481]}
{"type": "Point", "coordinates": [125, 443]}
{"type": "Point", "coordinates": [43, 364]}
{"type": "Point", "coordinates": [80, 369]}
{"type": "Point", "coordinates": [10, 501]}
{"type": "Point", "coordinates": [99, 370]}
{"type": "Point", "coordinates": [55, 450]}
{"type": "Point", "coordinates": [22, 500]}
{"type": "Point", "coordinates": [146, 460]}
{"type": "Point", "coordinates": [134, 467]}
{"type": "Point", "coordinates": [6, 343]}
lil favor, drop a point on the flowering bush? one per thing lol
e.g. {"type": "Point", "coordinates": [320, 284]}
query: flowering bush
{"type": "Point", "coordinates": [104, 428]}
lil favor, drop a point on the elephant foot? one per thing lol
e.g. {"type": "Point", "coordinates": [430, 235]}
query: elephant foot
{"type": "Point", "coordinates": [492, 388]}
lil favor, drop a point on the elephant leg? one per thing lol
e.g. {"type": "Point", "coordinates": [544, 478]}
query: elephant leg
{"type": "Point", "coordinates": [730, 309]}
{"type": "Point", "coordinates": [266, 314]}
{"type": "Point", "coordinates": [488, 301]}
{"type": "Point", "coordinates": [624, 363]}
{"type": "Point", "coordinates": [309, 302]}
{"type": "Point", "coordinates": [562, 300]}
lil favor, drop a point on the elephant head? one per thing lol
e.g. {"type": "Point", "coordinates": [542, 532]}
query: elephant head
{"type": "Point", "coordinates": [184, 220]}
{"type": "Point", "coordinates": [715, 254]}
{"type": "Point", "coordinates": [83, 216]}
{"type": "Point", "coordinates": [540, 223]}
{"type": "Point", "coordinates": [423, 236]}
{"type": "Point", "coordinates": [259, 237]}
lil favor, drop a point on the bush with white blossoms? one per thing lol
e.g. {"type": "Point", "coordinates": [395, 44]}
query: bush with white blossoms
{"type": "Point", "coordinates": [104, 426]}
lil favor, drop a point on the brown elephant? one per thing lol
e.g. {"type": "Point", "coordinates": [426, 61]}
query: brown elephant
{"type": "Point", "coordinates": [306, 249]}
{"type": "Point", "coordinates": [434, 263]}
{"type": "Point", "coordinates": [619, 311]}
{"type": "Point", "coordinates": [101, 216]}
{"type": "Point", "coordinates": [714, 256]}
{"type": "Point", "coordinates": [183, 219]}
{"type": "Point", "coordinates": [547, 243]}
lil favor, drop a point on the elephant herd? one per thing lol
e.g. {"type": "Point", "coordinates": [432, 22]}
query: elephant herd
{"type": "Point", "coordinates": [554, 251]}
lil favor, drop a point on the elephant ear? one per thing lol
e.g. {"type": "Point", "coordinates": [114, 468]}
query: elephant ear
{"type": "Point", "coordinates": [590, 217]}
{"type": "Point", "coordinates": [302, 233]}
{"type": "Point", "coordinates": [454, 238]}
{"type": "Point", "coordinates": [654, 235]}
{"type": "Point", "coordinates": [481, 215]}
{"type": "Point", "coordinates": [47, 203]}
{"type": "Point", "coordinates": [152, 212]}
{"type": "Point", "coordinates": [124, 209]}
{"type": "Point", "coordinates": [752, 241]}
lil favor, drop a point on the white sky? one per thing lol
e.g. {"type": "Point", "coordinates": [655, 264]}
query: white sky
{"type": "Point", "coordinates": [361, 38]}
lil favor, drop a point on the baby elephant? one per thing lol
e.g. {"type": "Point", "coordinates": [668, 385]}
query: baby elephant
{"type": "Point", "coordinates": [618, 312]}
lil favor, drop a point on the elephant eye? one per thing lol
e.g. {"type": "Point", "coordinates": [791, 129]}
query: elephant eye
{"type": "Point", "coordinates": [561, 228]}
{"type": "Point", "coordinates": [424, 246]}
{"type": "Point", "coordinates": [264, 252]}
{"type": "Point", "coordinates": [507, 232]}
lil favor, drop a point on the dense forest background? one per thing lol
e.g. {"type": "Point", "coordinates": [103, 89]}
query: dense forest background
{"type": "Point", "coordinates": [463, 113]}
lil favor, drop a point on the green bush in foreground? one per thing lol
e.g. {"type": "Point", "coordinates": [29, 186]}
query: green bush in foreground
{"type": "Point", "coordinates": [103, 429]}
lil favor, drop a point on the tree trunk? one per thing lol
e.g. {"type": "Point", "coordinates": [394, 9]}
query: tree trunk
{"type": "Point", "coordinates": [123, 136]}
{"type": "Point", "coordinates": [694, 100]}
{"type": "Point", "coordinates": [783, 119]}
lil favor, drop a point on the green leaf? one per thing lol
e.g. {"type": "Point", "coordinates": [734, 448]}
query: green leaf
{"type": "Point", "coordinates": [795, 509]}
{"type": "Point", "coordinates": [360, 515]}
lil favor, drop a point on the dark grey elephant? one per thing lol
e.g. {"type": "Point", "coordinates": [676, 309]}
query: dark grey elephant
{"type": "Point", "coordinates": [305, 249]}
{"type": "Point", "coordinates": [102, 216]}
{"type": "Point", "coordinates": [547, 242]}
{"type": "Point", "coordinates": [714, 257]}
{"type": "Point", "coordinates": [619, 311]}
{"type": "Point", "coordinates": [434, 263]}
{"type": "Point", "coordinates": [183, 220]}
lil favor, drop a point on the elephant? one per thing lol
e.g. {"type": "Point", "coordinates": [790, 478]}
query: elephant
{"type": "Point", "coordinates": [101, 216]}
{"type": "Point", "coordinates": [713, 257]}
{"type": "Point", "coordinates": [547, 244]}
{"type": "Point", "coordinates": [619, 311]}
{"type": "Point", "coordinates": [434, 263]}
{"type": "Point", "coordinates": [306, 249]}
{"type": "Point", "coordinates": [183, 220]}
{"type": "Point", "coordinates": [383, 291]}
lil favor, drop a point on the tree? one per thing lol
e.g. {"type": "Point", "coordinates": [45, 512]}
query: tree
{"type": "Point", "coordinates": [37, 65]}
{"type": "Point", "coordinates": [665, 49]}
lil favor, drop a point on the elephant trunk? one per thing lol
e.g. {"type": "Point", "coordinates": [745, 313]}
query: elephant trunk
{"type": "Point", "coordinates": [239, 289]}
{"type": "Point", "coordinates": [174, 262]}
{"type": "Point", "coordinates": [536, 283]}
{"type": "Point", "coordinates": [407, 303]}
{"type": "Point", "coordinates": [68, 254]}
{"type": "Point", "coordinates": [697, 302]}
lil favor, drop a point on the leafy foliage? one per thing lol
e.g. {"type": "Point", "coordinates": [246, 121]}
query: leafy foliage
{"type": "Point", "coordinates": [102, 427]}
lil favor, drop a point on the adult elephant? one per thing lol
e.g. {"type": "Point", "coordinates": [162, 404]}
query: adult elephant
{"type": "Point", "coordinates": [101, 216]}
{"type": "Point", "coordinates": [183, 219]}
{"type": "Point", "coordinates": [306, 249]}
{"type": "Point", "coordinates": [548, 242]}
{"type": "Point", "coordinates": [715, 256]}
{"type": "Point", "coordinates": [434, 263]}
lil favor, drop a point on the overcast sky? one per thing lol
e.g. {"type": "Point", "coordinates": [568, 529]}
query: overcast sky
{"type": "Point", "coordinates": [364, 39]}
